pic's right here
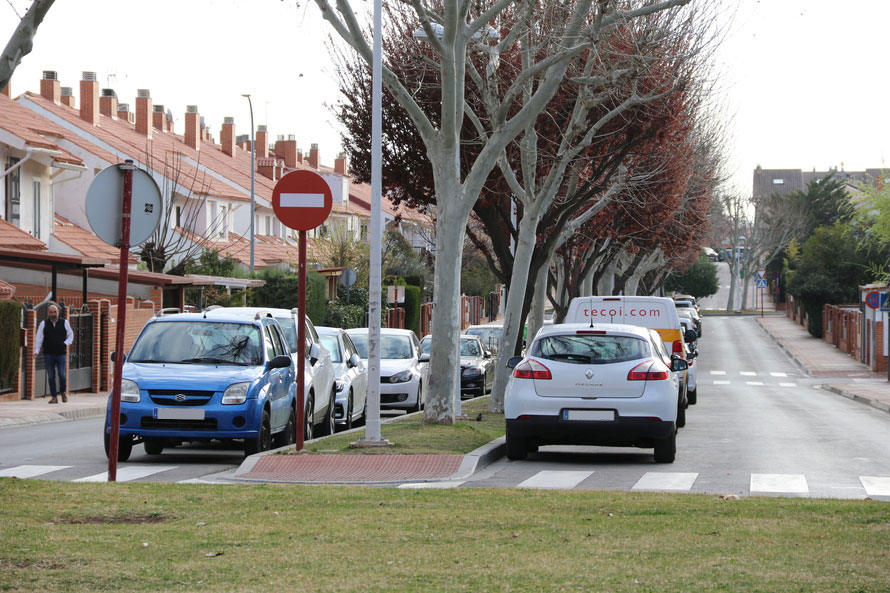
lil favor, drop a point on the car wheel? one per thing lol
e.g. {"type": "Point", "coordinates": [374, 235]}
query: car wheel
{"type": "Point", "coordinates": [364, 419]}
{"type": "Point", "coordinates": [666, 449]}
{"type": "Point", "coordinates": [289, 435]}
{"type": "Point", "coordinates": [349, 411]}
{"type": "Point", "coordinates": [124, 447]}
{"type": "Point", "coordinates": [263, 441]}
{"type": "Point", "coordinates": [681, 415]}
{"type": "Point", "coordinates": [153, 446]}
{"type": "Point", "coordinates": [517, 448]}
{"type": "Point", "coordinates": [328, 424]}
{"type": "Point", "coordinates": [308, 427]}
{"type": "Point", "coordinates": [692, 396]}
{"type": "Point", "coordinates": [418, 406]}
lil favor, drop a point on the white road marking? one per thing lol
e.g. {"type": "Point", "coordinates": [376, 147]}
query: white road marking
{"type": "Point", "coordinates": [748, 373]}
{"type": "Point", "coordinates": [555, 480]}
{"type": "Point", "coordinates": [718, 372]}
{"type": "Point", "coordinates": [788, 384]}
{"type": "Point", "coordinates": [721, 382]}
{"type": "Point", "coordinates": [30, 471]}
{"type": "Point", "coordinates": [779, 374]}
{"type": "Point", "coordinates": [758, 383]}
{"type": "Point", "coordinates": [875, 485]}
{"type": "Point", "coordinates": [432, 485]}
{"type": "Point", "coordinates": [779, 483]}
{"type": "Point", "coordinates": [129, 473]}
{"type": "Point", "coordinates": [674, 481]}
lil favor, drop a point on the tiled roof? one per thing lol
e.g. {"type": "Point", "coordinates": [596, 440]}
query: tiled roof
{"type": "Point", "coordinates": [268, 250]}
{"type": "Point", "coordinates": [86, 243]}
{"type": "Point", "coordinates": [360, 195]}
{"type": "Point", "coordinates": [768, 182]}
{"type": "Point", "coordinates": [13, 237]}
{"type": "Point", "coordinates": [33, 130]}
{"type": "Point", "coordinates": [6, 289]}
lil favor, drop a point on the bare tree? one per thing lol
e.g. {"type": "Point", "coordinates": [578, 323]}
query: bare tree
{"type": "Point", "coordinates": [22, 40]}
{"type": "Point", "coordinates": [455, 29]}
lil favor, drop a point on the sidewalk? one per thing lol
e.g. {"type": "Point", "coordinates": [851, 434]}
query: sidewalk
{"type": "Point", "coordinates": [38, 411]}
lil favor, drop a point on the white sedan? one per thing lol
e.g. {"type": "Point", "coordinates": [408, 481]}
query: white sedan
{"type": "Point", "coordinates": [350, 377]}
{"type": "Point", "coordinates": [402, 374]}
{"type": "Point", "coordinates": [585, 384]}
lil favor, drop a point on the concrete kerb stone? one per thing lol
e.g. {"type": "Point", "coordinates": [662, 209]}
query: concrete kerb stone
{"type": "Point", "coordinates": [858, 398]}
{"type": "Point", "coordinates": [36, 419]}
{"type": "Point", "coordinates": [800, 366]}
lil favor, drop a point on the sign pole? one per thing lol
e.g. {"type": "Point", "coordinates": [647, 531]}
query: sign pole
{"type": "Point", "coordinates": [301, 340]}
{"type": "Point", "coordinates": [127, 168]}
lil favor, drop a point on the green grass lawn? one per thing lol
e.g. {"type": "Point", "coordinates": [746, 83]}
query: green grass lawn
{"type": "Point", "coordinates": [57, 536]}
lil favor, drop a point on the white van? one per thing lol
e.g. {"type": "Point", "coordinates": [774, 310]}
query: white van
{"type": "Point", "coordinates": [658, 313]}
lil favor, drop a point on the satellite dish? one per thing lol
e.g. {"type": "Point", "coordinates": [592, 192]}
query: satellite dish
{"type": "Point", "coordinates": [104, 203]}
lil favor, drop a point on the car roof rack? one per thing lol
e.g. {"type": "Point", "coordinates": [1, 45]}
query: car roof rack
{"type": "Point", "coordinates": [261, 314]}
{"type": "Point", "coordinates": [167, 311]}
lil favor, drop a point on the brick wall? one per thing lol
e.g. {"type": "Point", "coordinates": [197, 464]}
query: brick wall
{"type": "Point", "coordinates": [841, 328]}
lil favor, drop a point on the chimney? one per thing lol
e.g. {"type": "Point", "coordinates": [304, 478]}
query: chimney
{"type": "Point", "coordinates": [50, 86]}
{"type": "Point", "coordinates": [108, 103]}
{"type": "Point", "coordinates": [124, 113]}
{"type": "Point", "coordinates": [143, 112]}
{"type": "Point", "coordinates": [159, 118]}
{"type": "Point", "coordinates": [287, 150]}
{"type": "Point", "coordinates": [68, 96]}
{"type": "Point", "coordinates": [300, 156]}
{"type": "Point", "coordinates": [89, 98]}
{"type": "Point", "coordinates": [262, 142]}
{"type": "Point", "coordinates": [313, 156]}
{"type": "Point", "coordinates": [340, 164]}
{"type": "Point", "coordinates": [192, 127]}
{"type": "Point", "coordinates": [227, 136]}
{"type": "Point", "coordinates": [242, 141]}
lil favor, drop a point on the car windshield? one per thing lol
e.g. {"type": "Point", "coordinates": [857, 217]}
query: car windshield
{"type": "Point", "coordinates": [391, 347]}
{"type": "Point", "coordinates": [290, 331]}
{"type": "Point", "coordinates": [469, 348]}
{"type": "Point", "coordinates": [590, 349]}
{"type": "Point", "coordinates": [331, 345]}
{"type": "Point", "coordinates": [199, 342]}
{"type": "Point", "coordinates": [490, 335]}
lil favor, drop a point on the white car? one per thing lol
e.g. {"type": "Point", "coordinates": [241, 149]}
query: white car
{"type": "Point", "coordinates": [490, 333]}
{"type": "Point", "coordinates": [691, 354]}
{"type": "Point", "coordinates": [402, 374]}
{"type": "Point", "coordinates": [318, 387]}
{"type": "Point", "coordinates": [350, 376]}
{"type": "Point", "coordinates": [594, 384]}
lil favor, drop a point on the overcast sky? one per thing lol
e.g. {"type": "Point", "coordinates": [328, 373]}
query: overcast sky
{"type": "Point", "coordinates": [802, 79]}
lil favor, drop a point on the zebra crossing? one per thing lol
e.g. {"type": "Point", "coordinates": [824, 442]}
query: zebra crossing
{"type": "Point", "coordinates": [750, 378]}
{"type": "Point", "coordinates": [792, 485]}
{"type": "Point", "coordinates": [128, 473]}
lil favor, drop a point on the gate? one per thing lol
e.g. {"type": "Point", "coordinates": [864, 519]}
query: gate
{"type": "Point", "coordinates": [80, 353]}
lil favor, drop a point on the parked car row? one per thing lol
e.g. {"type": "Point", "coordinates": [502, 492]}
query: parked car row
{"type": "Point", "coordinates": [619, 372]}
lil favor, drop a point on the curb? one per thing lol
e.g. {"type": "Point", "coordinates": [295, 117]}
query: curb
{"type": "Point", "coordinates": [858, 398]}
{"type": "Point", "coordinates": [62, 416]}
{"type": "Point", "coordinates": [787, 352]}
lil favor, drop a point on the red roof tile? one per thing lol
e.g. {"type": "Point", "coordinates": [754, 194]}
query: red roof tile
{"type": "Point", "coordinates": [34, 130]}
{"type": "Point", "coordinates": [6, 289]}
{"type": "Point", "coordinates": [13, 237]}
{"type": "Point", "coordinates": [86, 243]}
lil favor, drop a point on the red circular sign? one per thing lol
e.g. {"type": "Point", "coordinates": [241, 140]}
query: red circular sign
{"type": "Point", "coordinates": [302, 200]}
{"type": "Point", "coordinates": [873, 299]}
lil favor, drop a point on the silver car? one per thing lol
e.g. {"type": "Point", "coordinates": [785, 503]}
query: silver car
{"type": "Point", "coordinates": [350, 377]}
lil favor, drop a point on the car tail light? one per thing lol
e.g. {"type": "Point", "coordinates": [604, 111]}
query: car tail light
{"type": "Point", "coordinates": [531, 369]}
{"type": "Point", "coordinates": [590, 332]}
{"type": "Point", "coordinates": [677, 348]}
{"type": "Point", "coordinates": [645, 372]}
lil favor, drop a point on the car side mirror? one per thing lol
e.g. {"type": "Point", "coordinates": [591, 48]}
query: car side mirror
{"type": "Point", "coordinates": [691, 335]}
{"type": "Point", "coordinates": [486, 354]}
{"type": "Point", "coordinates": [314, 353]}
{"type": "Point", "coordinates": [112, 356]}
{"type": "Point", "coordinates": [678, 364]}
{"type": "Point", "coordinates": [282, 361]}
{"type": "Point", "coordinates": [354, 361]}
{"type": "Point", "coordinates": [425, 357]}
{"type": "Point", "coordinates": [511, 364]}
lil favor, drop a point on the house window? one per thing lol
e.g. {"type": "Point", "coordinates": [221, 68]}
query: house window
{"type": "Point", "coordinates": [13, 193]}
{"type": "Point", "coordinates": [268, 226]}
{"type": "Point", "coordinates": [37, 208]}
{"type": "Point", "coordinates": [778, 182]}
{"type": "Point", "coordinates": [179, 216]}
{"type": "Point", "coordinates": [223, 222]}
{"type": "Point", "coordinates": [276, 229]}
{"type": "Point", "coordinates": [211, 214]}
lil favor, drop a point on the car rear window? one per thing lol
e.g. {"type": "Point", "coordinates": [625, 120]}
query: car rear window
{"type": "Point", "coordinates": [199, 342]}
{"type": "Point", "coordinates": [391, 347]}
{"type": "Point", "coordinates": [331, 345]}
{"type": "Point", "coordinates": [590, 349]}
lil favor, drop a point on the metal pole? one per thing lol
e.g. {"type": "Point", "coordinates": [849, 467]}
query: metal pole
{"type": "Point", "coordinates": [301, 340]}
{"type": "Point", "coordinates": [127, 168]}
{"type": "Point", "coordinates": [738, 273]}
{"type": "Point", "coordinates": [252, 182]}
{"type": "Point", "coordinates": [372, 427]}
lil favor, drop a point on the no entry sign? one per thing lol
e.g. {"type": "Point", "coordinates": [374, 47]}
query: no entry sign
{"type": "Point", "coordinates": [302, 200]}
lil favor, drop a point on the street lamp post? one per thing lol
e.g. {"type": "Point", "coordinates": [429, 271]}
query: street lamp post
{"type": "Point", "coordinates": [252, 180]}
{"type": "Point", "coordinates": [738, 269]}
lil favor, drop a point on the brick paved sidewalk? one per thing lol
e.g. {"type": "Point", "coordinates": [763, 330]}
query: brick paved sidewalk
{"type": "Point", "coordinates": [37, 411]}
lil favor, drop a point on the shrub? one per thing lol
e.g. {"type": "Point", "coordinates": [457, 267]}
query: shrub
{"type": "Point", "coordinates": [10, 332]}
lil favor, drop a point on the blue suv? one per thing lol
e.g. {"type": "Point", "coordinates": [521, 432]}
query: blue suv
{"type": "Point", "coordinates": [190, 377]}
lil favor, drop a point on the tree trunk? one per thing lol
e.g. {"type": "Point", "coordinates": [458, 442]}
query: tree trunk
{"type": "Point", "coordinates": [513, 317]}
{"type": "Point", "coordinates": [536, 314]}
{"type": "Point", "coordinates": [22, 40]}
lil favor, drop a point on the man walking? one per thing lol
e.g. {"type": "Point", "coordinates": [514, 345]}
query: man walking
{"type": "Point", "coordinates": [53, 338]}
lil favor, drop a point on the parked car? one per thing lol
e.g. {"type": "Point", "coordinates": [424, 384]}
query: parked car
{"type": "Point", "coordinates": [350, 377]}
{"type": "Point", "coordinates": [687, 305]}
{"type": "Point", "coordinates": [476, 367]}
{"type": "Point", "coordinates": [593, 384]}
{"type": "Point", "coordinates": [490, 334]}
{"type": "Point", "coordinates": [319, 394]}
{"type": "Point", "coordinates": [190, 377]}
{"type": "Point", "coordinates": [710, 253]}
{"type": "Point", "coordinates": [426, 344]}
{"type": "Point", "coordinates": [402, 374]}
{"type": "Point", "coordinates": [689, 347]}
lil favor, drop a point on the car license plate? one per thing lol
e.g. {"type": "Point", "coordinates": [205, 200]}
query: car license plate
{"type": "Point", "coordinates": [179, 413]}
{"type": "Point", "coordinates": [600, 415]}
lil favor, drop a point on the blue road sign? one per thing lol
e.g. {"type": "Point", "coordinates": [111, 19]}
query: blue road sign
{"type": "Point", "coordinates": [761, 283]}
